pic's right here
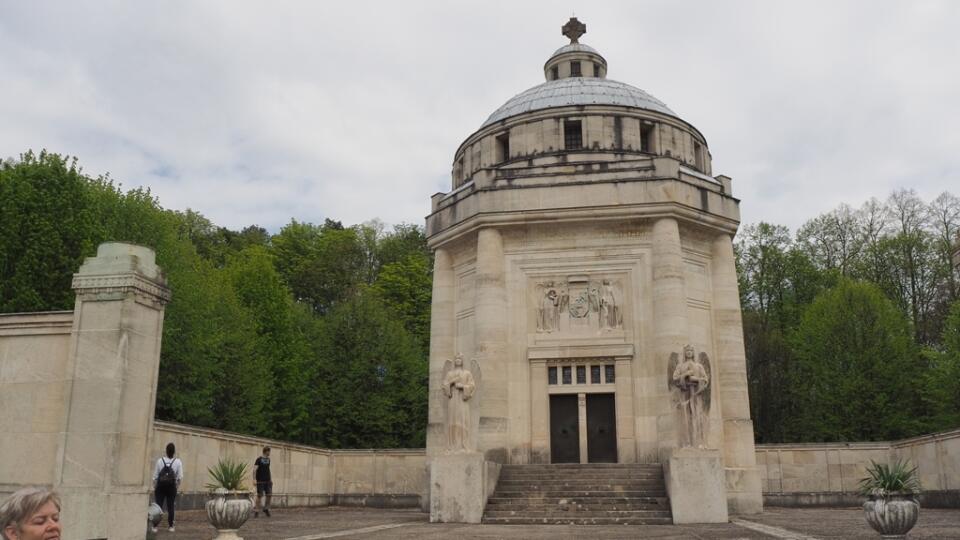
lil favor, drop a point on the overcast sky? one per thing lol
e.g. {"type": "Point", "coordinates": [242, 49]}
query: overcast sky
{"type": "Point", "coordinates": [259, 112]}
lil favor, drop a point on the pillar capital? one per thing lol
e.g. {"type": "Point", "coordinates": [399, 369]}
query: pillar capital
{"type": "Point", "coordinates": [120, 269]}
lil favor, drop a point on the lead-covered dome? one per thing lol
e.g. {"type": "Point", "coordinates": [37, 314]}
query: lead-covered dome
{"type": "Point", "coordinates": [577, 91]}
{"type": "Point", "coordinates": [578, 117]}
{"type": "Point", "coordinates": [576, 74]}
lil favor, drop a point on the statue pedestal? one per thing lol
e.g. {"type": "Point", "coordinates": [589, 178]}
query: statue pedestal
{"type": "Point", "coordinates": [696, 486]}
{"type": "Point", "coordinates": [459, 487]}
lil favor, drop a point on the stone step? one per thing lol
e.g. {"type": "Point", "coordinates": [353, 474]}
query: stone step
{"type": "Point", "coordinates": [593, 494]}
{"type": "Point", "coordinates": [583, 486]}
{"type": "Point", "coordinates": [580, 474]}
{"type": "Point", "coordinates": [578, 520]}
{"type": "Point", "coordinates": [578, 478]}
{"type": "Point", "coordinates": [522, 510]}
{"type": "Point", "coordinates": [583, 466]}
{"type": "Point", "coordinates": [536, 501]}
{"type": "Point", "coordinates": [556, 513]}
{"type": "Point", "coordinates": [576, 493]}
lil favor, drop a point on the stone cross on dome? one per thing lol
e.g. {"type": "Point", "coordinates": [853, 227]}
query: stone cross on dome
{"type": "Point", "coordinates": [574, 29]}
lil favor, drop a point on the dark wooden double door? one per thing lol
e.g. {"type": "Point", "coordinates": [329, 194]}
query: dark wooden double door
{"type": "Point", "coordinates": [565, 428]}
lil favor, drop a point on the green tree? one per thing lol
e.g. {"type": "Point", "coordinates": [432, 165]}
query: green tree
{"type": "Point", "coordinates": [322, 265]}
{"type": "Point", "coordinates": [280, 343]}
{"type": "Point", "coordinates": [403, 241]}
{"type": "Point", "coordinates": [406, 289]}
{"type": "Point", "coordinates": [942, 381]}
{"type": "Point", "coordinates": [855, 375]}
{"type": "Point", "coordinates": [373, 378]}
{"type": "Point", "coordinates": [49, 221]}
{"type": "Point", "coordinates": [778, 280]}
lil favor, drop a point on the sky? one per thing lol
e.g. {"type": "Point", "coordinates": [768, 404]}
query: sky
{"type": "Point", "coordinates": [263, 112]}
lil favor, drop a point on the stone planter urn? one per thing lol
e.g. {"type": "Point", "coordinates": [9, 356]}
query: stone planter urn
{"type": "Point", "coordinates": [227, 511]}
{"type": "Point", "coordinates": [892, 515]}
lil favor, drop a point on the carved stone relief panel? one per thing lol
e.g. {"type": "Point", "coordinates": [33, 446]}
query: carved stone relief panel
{"type": "Point", "coordinates": [578, 304]}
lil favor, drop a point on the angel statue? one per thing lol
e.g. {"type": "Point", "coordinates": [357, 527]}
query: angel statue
{"type": "Point", "coordinates": [459, 385]}
{"type": "Point", "coordinates": [689, 382]}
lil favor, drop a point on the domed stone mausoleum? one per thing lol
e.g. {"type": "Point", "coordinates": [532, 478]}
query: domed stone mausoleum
{"type": "Point", "coordinates": [583, 257]}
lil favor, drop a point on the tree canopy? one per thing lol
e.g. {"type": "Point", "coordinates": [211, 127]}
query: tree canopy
{"type": "Point", "coordinates": [854, 313]}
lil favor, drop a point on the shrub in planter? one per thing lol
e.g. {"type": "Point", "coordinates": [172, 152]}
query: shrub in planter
{"type": "Point", "coordinates": [231, 505]}
{"type": "Point", "coordinates": [892, 508]}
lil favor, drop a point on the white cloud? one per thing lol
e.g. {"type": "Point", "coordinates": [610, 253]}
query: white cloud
{"type": "Point", "coordinates": [262, 112]}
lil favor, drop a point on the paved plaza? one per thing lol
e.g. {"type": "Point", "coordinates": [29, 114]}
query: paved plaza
{"type": "Point", "coordinates": [350, 523]}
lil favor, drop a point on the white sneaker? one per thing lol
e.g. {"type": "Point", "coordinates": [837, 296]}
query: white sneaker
{"type": "Point", "coordinates": [171, 529]}
{"type": "Point", "coordinates": [153, 530]}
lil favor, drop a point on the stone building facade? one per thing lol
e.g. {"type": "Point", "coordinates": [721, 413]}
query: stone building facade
{"type": "Point", "coordinates": [583, 243]}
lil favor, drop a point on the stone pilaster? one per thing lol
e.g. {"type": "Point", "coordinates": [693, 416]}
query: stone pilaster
{"type": "Point", "coordinates": [669, 319]}
{"type": "Point", "coordinates": [442, 332]}
{"type": "Point", "coordinates": [626, 434]}
{"type": "Point", "coordinates": [539, 413]}
{"type": "Point", "coordinates": [582, 422]}
{"type": "Point", "coordinates": [742, 475]}
{"type": "Point", "coordinates": [105, 460]}
{"type": "Point", "coordinates": [490, 337]}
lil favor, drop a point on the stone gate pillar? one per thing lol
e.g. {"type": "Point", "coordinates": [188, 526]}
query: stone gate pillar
{"type": "Point", "coordinates": [104, 461]}
{"type": "Point", "coordinates": [490, 331]}
{"type": "Point", "coordinates": [742, 475]}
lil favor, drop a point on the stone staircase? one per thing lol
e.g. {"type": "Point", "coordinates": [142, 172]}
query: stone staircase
{"type": "Point", "coordinates": [574, 494]}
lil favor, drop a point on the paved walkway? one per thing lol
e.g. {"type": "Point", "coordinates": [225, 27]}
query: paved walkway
{"type": "Point", "coordinates": [369, 523]}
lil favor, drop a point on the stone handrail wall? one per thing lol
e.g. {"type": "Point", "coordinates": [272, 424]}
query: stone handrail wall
{"type": "Point", "coordinates": [829, 473]}
{"type": "Point", "coordinates": [302, 475]}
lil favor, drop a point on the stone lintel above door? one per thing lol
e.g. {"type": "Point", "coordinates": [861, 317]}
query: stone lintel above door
{"type": "Point", "coordinates": [618, 351]}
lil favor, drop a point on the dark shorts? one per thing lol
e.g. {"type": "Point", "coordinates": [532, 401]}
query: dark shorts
{"type": "Point", "coordinates": [265, 488]}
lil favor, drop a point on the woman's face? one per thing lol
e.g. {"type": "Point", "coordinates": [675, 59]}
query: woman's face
{"type": "Point", "coordinates": [44, 524]}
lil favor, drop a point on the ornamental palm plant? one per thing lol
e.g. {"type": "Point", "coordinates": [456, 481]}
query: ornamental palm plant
{"type": "Point", "coordinates": [228, 474]}
{"type": "Point", "coordinates": [883, 479]}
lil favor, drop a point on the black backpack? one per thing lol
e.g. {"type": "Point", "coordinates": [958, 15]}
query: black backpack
{"type": "Point", "coordinates": [167, 477]}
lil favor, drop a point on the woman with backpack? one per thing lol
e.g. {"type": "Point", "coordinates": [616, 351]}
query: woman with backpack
{"type": "Point", "coordinates": [167, 475]}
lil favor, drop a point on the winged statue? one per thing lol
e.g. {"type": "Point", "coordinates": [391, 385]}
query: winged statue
{"type": "Point", "coordinates": [459, 387]}
{"type": "Point", "coordinates": [689, 382]}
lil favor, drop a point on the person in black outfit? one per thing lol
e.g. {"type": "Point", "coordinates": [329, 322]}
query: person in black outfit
{"type": "Point", "coordinates": [261, 472]}
{"type": "Point", "coordinates": [167, 475]}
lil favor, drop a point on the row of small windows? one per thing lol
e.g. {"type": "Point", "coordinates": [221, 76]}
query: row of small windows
{"type": "Point", "coordinates": [573, 135]}
{"type": "Point", "coordinates": [575, 70]}
{"type": "Point", "coordinates": [573, 138]}
{"type": "Point", "coordinates": [566, 373]}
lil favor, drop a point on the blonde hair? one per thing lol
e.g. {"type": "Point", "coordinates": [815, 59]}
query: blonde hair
{"type": "Point", "coordinates": [23, 504]}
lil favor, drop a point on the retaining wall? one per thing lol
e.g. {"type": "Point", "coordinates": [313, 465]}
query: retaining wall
{"type": "Point", "coordinates": [302, 475]}
{"type": "Point", "coordinates": [827, 474]}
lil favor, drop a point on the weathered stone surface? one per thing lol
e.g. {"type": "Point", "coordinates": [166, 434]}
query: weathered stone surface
{"type": "Point", "coordinates": [696, 486]}
{"type": "Point", "coordinates": [459, 487]}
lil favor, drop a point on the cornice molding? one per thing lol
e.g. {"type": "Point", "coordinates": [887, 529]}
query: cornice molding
{"type": "Point", "coordinates": [120, 283]}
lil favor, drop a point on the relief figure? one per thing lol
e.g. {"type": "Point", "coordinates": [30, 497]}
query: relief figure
{"type": "Point", "coordinates": [548, 317]}
{"type": "Point", "coordinates": [610, 317]}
